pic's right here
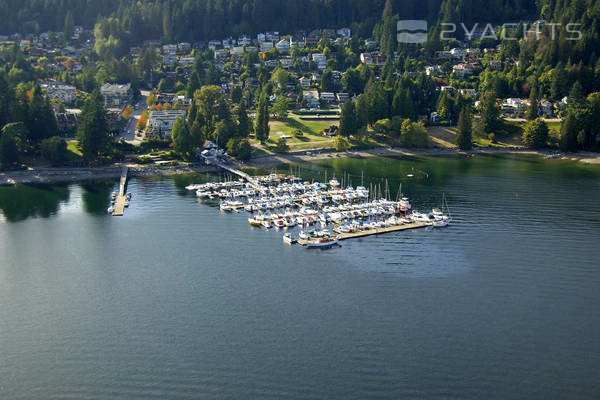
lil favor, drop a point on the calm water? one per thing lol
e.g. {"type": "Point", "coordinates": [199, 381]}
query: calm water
{"type": "Point", "coordinates": [178, 301]}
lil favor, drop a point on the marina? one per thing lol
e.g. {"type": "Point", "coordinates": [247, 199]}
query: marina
{"type": "Point", "coordinates": [320, 214]}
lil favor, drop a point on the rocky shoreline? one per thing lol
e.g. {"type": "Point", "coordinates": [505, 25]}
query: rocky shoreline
{"type": "Point", "coordinates": [69, 174]}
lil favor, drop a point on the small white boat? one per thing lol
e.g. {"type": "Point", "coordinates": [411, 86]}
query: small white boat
{"type": "Point", "coordinates": [266, 224]}
{"type": "Point", "coordinates": [110, 210]}
{"type": "Point", "coordinates": [254, 222]}
{"type": "Point", "coordinates": [287, 238]}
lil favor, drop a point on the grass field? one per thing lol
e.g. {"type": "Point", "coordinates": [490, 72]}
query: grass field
{"type": "Point", "coordinates": [310, 139]}
{"type": "Point", "coordinates": [73, 150]}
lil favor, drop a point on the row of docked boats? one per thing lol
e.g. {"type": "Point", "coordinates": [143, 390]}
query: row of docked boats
{"type": "Point", "coordinates": [286, 203]}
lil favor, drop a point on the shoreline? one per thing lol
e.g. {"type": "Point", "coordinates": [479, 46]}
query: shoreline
{"type": "Point", "coordinates": [272, 160]}
{"type": "Point", "coordinates": [70, 174]}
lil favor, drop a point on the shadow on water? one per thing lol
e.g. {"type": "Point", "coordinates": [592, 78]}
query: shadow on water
{"type": "Point", "coordinates": [95, 195]}
{"type": "Point", "coordinates": [20, 202]}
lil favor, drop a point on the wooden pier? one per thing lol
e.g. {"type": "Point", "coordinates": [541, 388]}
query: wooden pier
{"type": "Point", "coordinates": [119, 207]}
{"type": "Point", "coordinates": [379, 231]}
{"type": "Point", "coordinates": [239, 173]}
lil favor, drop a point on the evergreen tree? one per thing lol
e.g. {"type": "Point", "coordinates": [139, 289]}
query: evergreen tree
{"type": "Point", "coordinates": [192, 86]}
{"type": "Point", "coordinates": [490, 112]}
{"type": "Point", "coordinates": [569, 132]}
{"type": "Point", "coordinates": [576, 95]}
{"type": "Point", "coordinates": [9, 153]}
{"type": "Point", "coordinates": [261, 127]}
{"type": "Point", "coordinates": [6, 102]}
{"type": "Point", "coordinates": [348, 119]}
{"type": "Point", "coordinates": [92, 129]}
{"type": "Point", "coordinates": [327, 81]}
{"type": "Point", "coordinates": [533, 110]}
{"type": "Point", "coordinates": [535, 133]}
{"type": "Point", "coordinates": [464, 137]}
{"type": "Point", "coordinates": [54, 150]}
{"type": "Point", "coordinates": [244, 123]}
{"type": "Point", "coordinates": [182, 140]}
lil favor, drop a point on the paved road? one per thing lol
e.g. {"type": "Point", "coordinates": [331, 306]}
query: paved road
{"type": "Point", "coordinates": [129, 133]}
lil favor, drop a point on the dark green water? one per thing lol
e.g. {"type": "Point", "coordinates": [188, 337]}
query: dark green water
{"type": "Point", "coordinates": [179, 301]}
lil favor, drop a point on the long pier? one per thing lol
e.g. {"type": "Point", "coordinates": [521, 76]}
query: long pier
{"type": "Point", "coordinates": [379, 231]}
{"type": "Point", "coordinates": [119, 207]}
{"type": "Point", "coordinates": [239, 173]}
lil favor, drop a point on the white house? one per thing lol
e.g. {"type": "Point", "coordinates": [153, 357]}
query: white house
{"type": "Point", "coordinates": [60, 91]}
{"type": "Point", "coordinates": [161, 122]}
{"type": "Point", "coordinates": [116, 95]}
{"type": "Point", "coordinates": [311, 97]}
{"type": "Point", "coordinates": [283, 46]}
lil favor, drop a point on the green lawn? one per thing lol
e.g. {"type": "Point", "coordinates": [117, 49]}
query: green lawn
{"type": "Point", "coordinates": [73, 150]}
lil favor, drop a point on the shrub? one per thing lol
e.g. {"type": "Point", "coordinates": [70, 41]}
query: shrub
{"type": "Point", "coordinates": [341, 144]}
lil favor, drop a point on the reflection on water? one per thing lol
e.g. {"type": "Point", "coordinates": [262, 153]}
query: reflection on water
{"type": "Point", "coordinates": [20, 202]}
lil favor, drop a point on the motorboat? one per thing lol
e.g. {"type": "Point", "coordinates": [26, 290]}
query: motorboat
{"type": "Point", "coordinates": [287, 238]}
{"type": "Point", "coordinates": [254, 222]}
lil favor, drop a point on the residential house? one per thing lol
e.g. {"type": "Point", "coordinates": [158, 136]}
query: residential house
{"type": "Point", "coordinates": [370, 44]}
{"type": "Point", "coordinates": [66, 122]}
{"type": "Point", "coordinates": [462, 70]}
{"type": "Point", "coordinates": [237, 51]}
{"type": "Point", "coordinates": [286, 62]}
{"type": "Point", "coordinates": [458, 53]}
{"type": "Point", "coordinates": [449, 89]}
{"type": "Point", "coordinates": [283, 46]}
{"type": "Point", "coordinates": [135, 52]}
{"type": "Point", "coordinates": [184, 48]}
{"type": "Point", "coordinates": [186, 60]}
{"type": "Point", "coordinates": [169, 50]}
{"type": "Point", "coordinates": [444, 55]}
{"type": "Point", "coordinates": [116, 95]}
{"type": "Point", "coordinates": [345, 33]}
{"type": "Point", "coordinates": [343, 97]}
{"type": "Point", "coordinates": [228, 43]}
{"type": "Point", "coordinates": [546, 108]}
{"type": "Point", "coordinates": [221, 55]}
{"type": "Point", "coordinates": [170, 59]}
{"type": "Point", "coordinates": [496, 65]}
{"type": "Point", "coordinates": [60, 91]}
{"type": "Point", "coordinates": [311, 98]}
{"type": "Point", "coordinates": [304, 82]}
{"type": "Point", "coordinates": [272, 36]}
{"type": "Point", "coordinates": [312, 40]}
{"type": "Point", "coordinates": [161, 122]}
{"type": "Point", "coordinates": [320, 60]}
{"type": "Point", "coordinates": [472, 93]}
{"type": "Point", "coordinates": [373, 58]}
{"type": "Point", "coordinates": [433, 70]}
{"type": "Point", "coordinates": [266, 46]}
{"type": "Point", "coordinates": [328, 97]}
{"type": "Point", "coordinates": [214, 44]}
{"type": "Point", "coordinates": [244, 40]}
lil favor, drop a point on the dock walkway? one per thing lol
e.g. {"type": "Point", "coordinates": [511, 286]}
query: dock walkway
{"type": "Point", "coordinates": [239, 173]}
{"type": "Point", "coordinates": [379, 231]}
{"type": "Point", "coordinates": [119, 208]}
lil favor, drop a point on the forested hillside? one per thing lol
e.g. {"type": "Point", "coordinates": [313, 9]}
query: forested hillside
{"type": "Point", "coordinates": [204, 19]}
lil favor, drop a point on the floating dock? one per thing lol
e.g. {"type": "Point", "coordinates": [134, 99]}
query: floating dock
{"type": "Point", "coordinates": [379, 231]}
{"type": "Point", "coordinates": [119, 207]}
